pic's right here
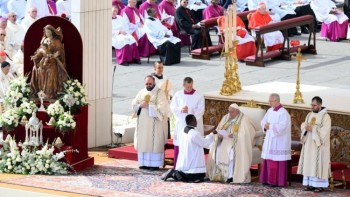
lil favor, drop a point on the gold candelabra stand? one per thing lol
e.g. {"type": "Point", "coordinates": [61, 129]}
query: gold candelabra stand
{"type": "Point", "coordinates": [298, 96]}
{"type": "Point", "coordinates": [231, 83]}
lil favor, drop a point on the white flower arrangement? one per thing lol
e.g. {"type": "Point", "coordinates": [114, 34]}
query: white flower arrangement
{"type": "Point", "coordinates": [31, 160]}
{"type": "Point", "coordinates": [27, 108]}
{"type": "Point", "coordinates": [10, 119]}
{"type": "Point", "coordinates": [74, 94]}
{"type": "Point", "coordinates": [18, 91]}
{"type": "Point", "coordinates": [65, 123]}
{"type": "Point", "coordinates": [55, 109]}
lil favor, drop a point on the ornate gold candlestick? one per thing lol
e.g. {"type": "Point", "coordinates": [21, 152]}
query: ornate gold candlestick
{"type": "Point", "coordinates": [298, 96]}
{"type": "Point", "coordinates": [231, 83]}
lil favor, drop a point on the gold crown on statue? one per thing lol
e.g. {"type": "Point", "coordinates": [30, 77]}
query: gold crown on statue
{"type": "Point", "coordinates": [313, 121]}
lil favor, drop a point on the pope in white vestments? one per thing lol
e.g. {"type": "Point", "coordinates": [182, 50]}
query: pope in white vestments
{"type": "Point", "coordinates": [41, 5]}
{"type": "Point", "coordinates": [230, 157]}
{"type": "Point", "coordinates": [18, 7]}
{"type": "Point", "coordinates": [184, 102]}
{"type": "Point", "coordinates": [314, 162]}
{"type": "Point", "coordinates": [150, 106]}
{"type": "Point", "coordinates": [14, 32]}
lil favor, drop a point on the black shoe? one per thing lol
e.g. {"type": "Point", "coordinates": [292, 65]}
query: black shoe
{"type": "Point", "coordinates": [125, 64]}
{"type": "Point", "coordinates": [153, 168]}
{"type": "Point", "coordinates": [265, 184]}
{"type": "Point", "coordinates": [304, 30]}
{"type": "Point", "coordinates": [143, 167]}
{"type": "Point", "coordinates": [318, 190]}
{"type": "Point", "coordinates": [229, 180]}
{"type": "Point", "coordinates": [168, 174]}
{"type": "Point", "coordinates": [309, 188]}
{"type": "Point", "coordinates": [137, 61]}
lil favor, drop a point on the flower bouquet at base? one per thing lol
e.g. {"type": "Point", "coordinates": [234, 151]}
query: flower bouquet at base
{"type": "Point", "coordinates": [9, 120]}
{"type": "Point", "coordinates": [74, 95]}
{"type": "Point", "coordinates": [27, 109]}
{"type": "Point", "coordinates": [18, 92]}
{"type": "Point", "coordinates": [54, 111]}
{"type": "Point", "coordinates": [31, 160]}
{"type": "Point", "coordinates": [65, 123]}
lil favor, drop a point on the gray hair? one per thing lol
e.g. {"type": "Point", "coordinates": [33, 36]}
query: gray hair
{"type": "Point", "coordinates": [275, 96]}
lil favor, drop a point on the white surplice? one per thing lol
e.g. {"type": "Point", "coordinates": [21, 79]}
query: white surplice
{"type": "Point", "coordinates": [27, 22]}
{"type": "Point", "coordinates": [277, 143]}
{"type": "Point", "coordinates": [119, 40]}
{"type": "Point", "coordinates": [322, 8]}
{"type": "Point", "coordinates": [195, 104]}
{"type": "Point", "coordinates": [191, 154]}
{"type": "Point", "coordinates": [15, 35]}
{"type": "Point", "coordinates": [156, 32]}
{"type": "Point", "coordinates": [137, 27]}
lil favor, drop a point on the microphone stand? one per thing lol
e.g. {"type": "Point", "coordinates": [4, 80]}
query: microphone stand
{"type": "Point", "coordinates": [112, 145]}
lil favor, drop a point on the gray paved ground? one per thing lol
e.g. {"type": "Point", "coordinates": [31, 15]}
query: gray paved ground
{"type": "Point", "coordinates": [330, 68]}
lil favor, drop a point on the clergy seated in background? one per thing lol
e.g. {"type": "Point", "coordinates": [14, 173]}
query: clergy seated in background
{"type": "Point", "coordinates": [17, 62]}
{"type": "Point", "coordinates": [5, 80]}
{"type": "Point", "coordinates": [213, 10]}
{"type": "Point", "coordinates": [273, 40]}
{"type": "Point", "coordinates": [30, 18]}
{"type": "Point", "coordinates": [135, 23]}
{"type": "Point", "coordinates": [282, 10]}
{"type": "Point", "coordinates": [149, 4]}
{"type": "Point", "coordinates": [246, 43]}
{"type": "Point", "coordinates": [119, 4]}
{"type": "Point", "coordinates": [276, 150]}
{"type": "Point", "coordinates": [18, 7]}
{"type": "Point", "coordinates": [167, 12]}
{"type": "Point", "coordinates": [230, 157]}
{"type": "Point", "coordinates": [4, 44]}
{"type": "Point", "coordinates": [197, 7]}
{"type": "Point", "coordinates": [162, 38]}
{"type": "Point", "coordinates": [334, 22]}
{"type": "Point", "coordinates": [125, 45]}
{"type": "Point", "coordinates": [150, 106]}
{"type": "Point", "coordinates": [187, 23]}
{"type": "Point", "coordinates": [314, 162]}
{"type": "Point", "coordinates": [14, 32]}
{"type": "Point", "coordinates": [42, 6]}
{"type": "Point", "coordinates": [191, 162]}
{"type": "Point", "coordinates": [184, 102]}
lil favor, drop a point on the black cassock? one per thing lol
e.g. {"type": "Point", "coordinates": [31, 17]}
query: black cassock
{"type": "Point", "coordinates": [170, 53]}
{"type": "Point", "coordinates": [185, 20]}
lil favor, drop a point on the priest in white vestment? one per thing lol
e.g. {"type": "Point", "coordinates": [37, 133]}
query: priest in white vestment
{"type": "Point", "coordinates": [30, 18]}
{"type": "Point", "coordinates": [4, 44]}
{"type": "Point", "coordinates": [276, 150]}
{"type": "Point", "coordinates": [184, 102]}
{"type": "Point", "coordinates": [15, 32]}
{"type": "Point", "coordinates": [41, 5]}
{"type": "Point", "coordinates": [150, 106]}
{"type": "Point", "coordinates": [191, 161]}
{"type": "Point", "coordinates": [64, 6]}
{"type": "Point", "coordinates": [230, 157]}
{"type": "Point", "coordinates": [18, 7]}
{"type": "Point", "coordinates": [314, 162]}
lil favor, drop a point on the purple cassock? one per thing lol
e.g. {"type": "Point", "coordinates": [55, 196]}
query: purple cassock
{"type": "Point", "coordinates": [119, 5]}
{"type": "Point", "coordinates": [52, 7]}
{"type": "Point", "coordinates": [144, 46]}
{"type": "Point", "coordinates": [129, 53]}
{"type": "Point", "coordinates": [213, 11]}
